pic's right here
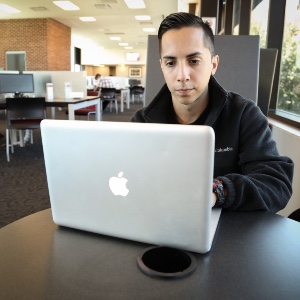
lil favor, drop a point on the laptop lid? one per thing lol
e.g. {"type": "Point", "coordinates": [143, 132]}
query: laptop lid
{"type": "Point", "coordinates": [150, 183]}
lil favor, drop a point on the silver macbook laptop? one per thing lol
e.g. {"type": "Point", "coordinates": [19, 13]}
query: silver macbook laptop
{"type": "Point", "coordinates": [150, 183]}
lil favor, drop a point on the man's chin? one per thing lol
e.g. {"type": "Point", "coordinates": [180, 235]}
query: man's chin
{"type": "Point", "coordinates": [187, 101]}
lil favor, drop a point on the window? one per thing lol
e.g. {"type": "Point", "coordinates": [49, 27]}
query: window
{"type": "Point", "coordinates": [16, 60]}
{"type": "Point", "coordinates": [259, 21]}
{"type": "Point", "coordinates": [289, 79]}
{"type": "Point", "coordinates": [278, 25]}
{"type": "Point", "coordinates": [236, 17]}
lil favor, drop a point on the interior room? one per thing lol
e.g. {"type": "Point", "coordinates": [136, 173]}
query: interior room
{"type": "Point", "coordinates": [86, 46]}
{"type": "Point", "coordinates": [57, 53]}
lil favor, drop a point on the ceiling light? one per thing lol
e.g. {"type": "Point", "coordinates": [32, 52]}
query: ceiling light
{"type": "Point", "coordinates": [135, 3]}
{"type": "Point", "coordinates": [103, 6]}
{"type": "Point", "coordinates": [115, 38]}
{"type": "Point", "coordinates": [66, 5]}
{"type": "Point", "coordinates": [113, 33]}
{"type": "Point", "coordinates": [109, 1]}
{"type": "Point", "coordinates": [143, 18]}
{"type": "Point", "coordinates": [146, 23]}
{"type": "Point", "coordinates": [39, 8]}
{"type": "Point", "coordinates": [129, 47]}
{"type": "Point", "coordinates": [123, 44]}
{"type": "Point", "coordinates": [87, 19]}
{"type": "Point", "coordinates": [9, 9]}
{"type": "Point", "coordinates": [149, 29]}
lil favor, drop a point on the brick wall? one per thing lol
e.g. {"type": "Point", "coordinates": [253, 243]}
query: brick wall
{"type": "Point", "coordinates": [45, 41]}
{"type": "Point", "coordinates": [58, 46]}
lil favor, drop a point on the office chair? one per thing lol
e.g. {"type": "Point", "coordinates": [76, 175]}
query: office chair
{"type": "Point", "coordinates": [21, 114]}
{"type": "Point", "coordinates": [137, 91]}
{"type": "Point", "coordinates": [86, 111]}
{"type": "Point", "coordinates": [108, 94]}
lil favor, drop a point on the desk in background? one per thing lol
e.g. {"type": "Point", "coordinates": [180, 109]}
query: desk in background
{"type": "Point", "coordinates": [253, 256]}
{"type": "Point", "coordinates": [74, 104]}
{"type": "Point", "coordinates": [124, 95]}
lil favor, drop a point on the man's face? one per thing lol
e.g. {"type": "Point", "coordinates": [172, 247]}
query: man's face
{"type": "Point", "coordinates": [186, 64]}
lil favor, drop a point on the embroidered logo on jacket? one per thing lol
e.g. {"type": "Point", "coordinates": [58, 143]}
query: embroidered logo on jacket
{"type": "Point", "coordinates": [228, 149]}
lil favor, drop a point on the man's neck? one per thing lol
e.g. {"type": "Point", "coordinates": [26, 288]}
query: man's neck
{"type": "Point", "coordinates": [188, 114]}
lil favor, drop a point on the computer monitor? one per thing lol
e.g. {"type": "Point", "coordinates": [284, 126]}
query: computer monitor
{"type": "Point", "coordinates": [133, 82]}
{"type": "Point", "coordinates": [16, 83]}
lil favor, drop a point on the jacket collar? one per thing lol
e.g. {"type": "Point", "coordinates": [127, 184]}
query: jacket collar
{"type": "Point", "coordinates": [218, 97]}
{"type": "Point", "coordinates": [156, 111]}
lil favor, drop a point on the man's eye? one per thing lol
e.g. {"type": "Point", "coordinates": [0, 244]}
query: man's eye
{"type": "Point", "coordinates": [194, 61]}
{"type": "Point", "coordinates": [169, 63]}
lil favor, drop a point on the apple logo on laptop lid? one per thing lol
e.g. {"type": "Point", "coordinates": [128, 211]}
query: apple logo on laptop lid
{"type": "Point", "coordinates": [118, 185]}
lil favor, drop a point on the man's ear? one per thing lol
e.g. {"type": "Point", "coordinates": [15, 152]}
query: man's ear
{"type": "Point", "coordinates": [215, 63]}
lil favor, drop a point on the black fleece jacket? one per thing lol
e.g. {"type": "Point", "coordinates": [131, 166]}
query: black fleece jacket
{"type": "Point", "coordinates": [246, 157]}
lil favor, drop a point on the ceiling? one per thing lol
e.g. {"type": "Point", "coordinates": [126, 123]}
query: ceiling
{"type": "Point", "coordinates": [113, 18]}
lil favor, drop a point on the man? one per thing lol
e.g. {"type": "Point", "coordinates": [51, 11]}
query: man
{"type": "Point", "coordinates": [96, 82]}
{"type": "Point", "coordinates": [249, 173]}
{"type": "Point", "coordinates": [104, 82]}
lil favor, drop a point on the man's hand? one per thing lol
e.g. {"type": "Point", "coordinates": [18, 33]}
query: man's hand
{"type": "Point", "coordinates": [214, 199]}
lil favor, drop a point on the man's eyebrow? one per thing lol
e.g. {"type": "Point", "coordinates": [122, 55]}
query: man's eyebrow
{"type": "Point", "coordinates": [169, 57]}
{"type": "Point", "coordinates": [195, 54]}
{"type": "Point", "coordinates": [188, 56]}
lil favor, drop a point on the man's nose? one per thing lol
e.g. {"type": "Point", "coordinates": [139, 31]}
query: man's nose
{"type": "Point", "coordinates": [183, 73]}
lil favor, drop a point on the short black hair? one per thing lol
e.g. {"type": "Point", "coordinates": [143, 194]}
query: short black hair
{"type": "Point", "coordinates": [181, 20]}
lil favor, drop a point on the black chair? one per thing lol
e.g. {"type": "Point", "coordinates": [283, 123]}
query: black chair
{"type": "Point", "coordinates": [267, 64]}
{"type": "Point", "coordinates": [295, 215]}
{"type": "Point", "coordinates": [108, 95]}
{"type": "Point", "coordinates": [137, 91]}
{"type": "Point", "coordinates": [22, 114]}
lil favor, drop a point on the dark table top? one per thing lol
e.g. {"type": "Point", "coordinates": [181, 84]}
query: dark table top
{"type": "Point", "coordinates": [57, 101]}
{"type": "Point", "coordinates": [253, 256]}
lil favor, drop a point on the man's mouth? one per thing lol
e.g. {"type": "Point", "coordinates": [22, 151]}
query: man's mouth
{"type": "Point", "coordinates": [184, 90]}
